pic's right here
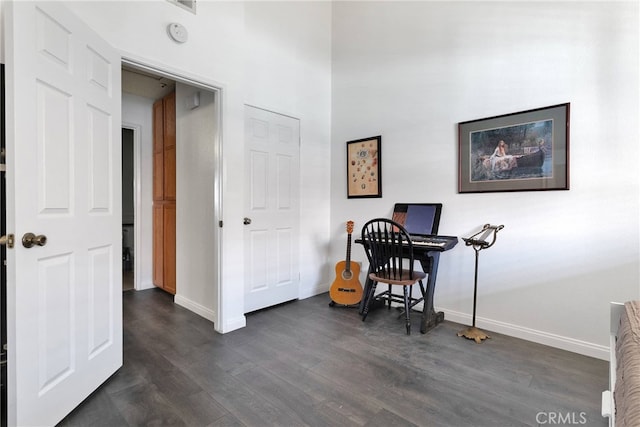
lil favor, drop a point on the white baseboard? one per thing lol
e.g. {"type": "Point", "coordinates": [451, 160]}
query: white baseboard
{"type": "Point", "coordinates": [199, 309]}
{"type": "Point", "coordinates": [145, 286]}
{"type": "Point", "coordinates": [540, 337]}
{"type": "Point", "coordinates": [232, 324]}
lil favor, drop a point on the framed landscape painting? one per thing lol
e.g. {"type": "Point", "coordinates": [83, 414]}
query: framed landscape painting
{"type": "Point", "coordinates": [524, 151]}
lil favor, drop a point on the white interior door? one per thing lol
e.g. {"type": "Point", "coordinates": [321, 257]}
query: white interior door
{"type": "Point", "coordinates": [272, 208]}
{"type": "Point", "coordinates": [63, 182]}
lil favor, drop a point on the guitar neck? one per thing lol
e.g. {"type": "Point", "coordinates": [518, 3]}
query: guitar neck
{"type": "Point", "coordinates": [348, 257]}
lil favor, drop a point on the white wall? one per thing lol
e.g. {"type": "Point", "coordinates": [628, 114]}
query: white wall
{"type": "Point", "coordinates": [196, 228]}
{"type": "Point", "coordinates": [273, 55]}
{"type": "Point", "coordinates": [137, 113]}
{"type": "Point", "coordinates": [411, 71]}
{"type": "Point", "coordinates": [288, 70]}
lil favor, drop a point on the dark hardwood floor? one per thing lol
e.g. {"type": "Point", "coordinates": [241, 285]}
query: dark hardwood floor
{"type": "Point", "coordinates": [127, 280]}
{"type": "Point", "coordinates": [305, 363]}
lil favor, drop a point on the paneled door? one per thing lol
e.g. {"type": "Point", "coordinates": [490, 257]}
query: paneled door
{"type": "Point", "coordinates": [164, 193]}
{"type": "Point", "coordinates": [272, 204]}
{"type": "Point", "coordinates": [63, 185]}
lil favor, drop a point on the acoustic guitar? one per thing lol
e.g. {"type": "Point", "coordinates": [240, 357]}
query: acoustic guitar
{"type": "Point", "coordinates": [346, 288]}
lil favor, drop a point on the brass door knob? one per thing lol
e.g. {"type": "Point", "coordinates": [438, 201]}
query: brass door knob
{"type": "Point", "coordinates": [30, 240]}
{"type": "Point", "coordinates": [7, 240]}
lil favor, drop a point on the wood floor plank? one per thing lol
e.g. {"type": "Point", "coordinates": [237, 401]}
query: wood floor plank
{"type": "Point", "coordinates": [384, 418]}
{"type": "Point", "coordinates": [308, 364]}
{"type": "Point", "coordinates": [285, 395]}
{"type": "Point", "coordinates": [341, 404]}
{"type": "Point", "coordinates": [199, 409]}
{"type": "Point", "coordinates": [98, 410]}
{"type": "Point", "coordinates": [143, 405]}
{"type": "Point", "coordinates": [237, 397]}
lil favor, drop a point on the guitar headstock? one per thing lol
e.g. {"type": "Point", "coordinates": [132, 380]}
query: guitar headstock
{"type": "Point", "coordinates": [349, 227]}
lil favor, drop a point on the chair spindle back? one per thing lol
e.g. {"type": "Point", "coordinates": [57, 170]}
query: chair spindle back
{"type": "Point", "coordinates": [387, 243]}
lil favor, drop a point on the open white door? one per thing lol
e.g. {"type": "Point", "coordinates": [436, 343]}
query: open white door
{"type": "Point", "coordinates": [63, 182]}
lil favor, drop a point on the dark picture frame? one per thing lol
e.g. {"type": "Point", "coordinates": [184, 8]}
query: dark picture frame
{"type": "Point", "coordinates": [364, 169]}
{"type": "Point", "coordinates": [523, 151]}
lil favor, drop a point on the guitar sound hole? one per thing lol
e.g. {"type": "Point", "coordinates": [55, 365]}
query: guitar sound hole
{"type": "Point", "coordinates": [347, 275]}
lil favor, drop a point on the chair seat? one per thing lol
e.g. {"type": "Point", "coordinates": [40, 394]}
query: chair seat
{"type": "Point", "coordinates": [404, 279]}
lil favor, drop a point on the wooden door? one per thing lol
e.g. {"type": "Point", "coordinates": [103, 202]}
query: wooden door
{"type": "Point", "coordinates": [158, 150]}
{"type": "Point", "coordinates": [164, 193]}
{"type": "Point", "coordinates": [169, 144]}
{"type": "Point", "coordinates": [273, 208]}
{"type": "Point", "coordinates": [63, 182]}
{"type": "Point", "coordinates": [158, 244]}
{"type": "Point", "coordinates": [169, 248]}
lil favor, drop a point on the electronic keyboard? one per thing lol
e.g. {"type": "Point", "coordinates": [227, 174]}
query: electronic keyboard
{"type": "Point", "coordinates": [430, 243]}
{"type": "Point", "coordinates": [437, 243]}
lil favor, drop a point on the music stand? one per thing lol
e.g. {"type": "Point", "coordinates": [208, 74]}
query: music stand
{"type": "Point", "coordinates": [479, 243]}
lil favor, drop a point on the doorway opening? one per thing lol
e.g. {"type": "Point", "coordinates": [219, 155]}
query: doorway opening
{"type": "Point", "coordinates": [128, 209]}
{"type": "Point", "coordinates": [140, 89]}
{"type": "Point", "coordinates": [198, 173]}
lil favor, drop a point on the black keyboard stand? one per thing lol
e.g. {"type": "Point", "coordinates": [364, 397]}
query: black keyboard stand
{"type": "Point", "coordinates": [429, 257]}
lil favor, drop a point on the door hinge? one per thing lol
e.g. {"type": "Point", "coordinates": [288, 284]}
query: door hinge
{"type": "Point", "coordinates": [3, 166]}
{"type": "Point", "coordinates": [220, 223]}
{"type": "Point", "coordinates": [3, 355]}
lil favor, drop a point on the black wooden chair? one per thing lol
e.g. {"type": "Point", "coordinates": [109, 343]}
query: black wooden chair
{"type": "Point", "coordinates": [390, 253]}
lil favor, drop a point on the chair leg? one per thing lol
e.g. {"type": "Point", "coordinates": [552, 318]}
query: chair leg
{"type": "Point", "coordinates": [390, 298]}
{"type": "Point", "coordinates": [407, 313]}
{"type": "Point", "coordinates": [369, 299]}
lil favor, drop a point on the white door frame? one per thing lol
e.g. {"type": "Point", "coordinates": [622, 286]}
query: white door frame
{"type": "Point", "coordinates": [144, 64]}
{"type": "Point", "coordinates": [137, 196]}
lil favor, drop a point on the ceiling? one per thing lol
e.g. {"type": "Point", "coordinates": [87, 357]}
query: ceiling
{"type": "Point", "coordinates": [142, 83]}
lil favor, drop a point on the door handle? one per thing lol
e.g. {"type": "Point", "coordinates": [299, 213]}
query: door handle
{"type": "Point", "coordinates": [30, 240]}
{"type": "Point", "coordinates": [7, 240]}
{"type": "Point", "coordinates": [246, 221]}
